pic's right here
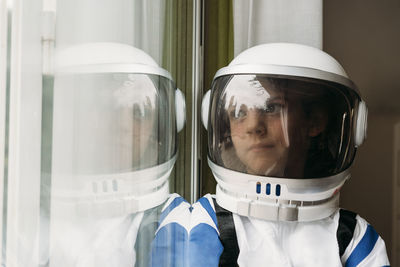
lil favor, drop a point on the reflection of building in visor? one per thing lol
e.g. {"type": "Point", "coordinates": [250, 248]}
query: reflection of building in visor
{"type": "Point", "coordinates": [281, 127]}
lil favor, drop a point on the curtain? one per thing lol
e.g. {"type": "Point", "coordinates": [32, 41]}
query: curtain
{"type": "Point", "coordinates": [177, 59]}
{"type": "Point", "coordinates": [139, 23]}
{"type": "Point", "coordinates": [265, 21]}
{"type": "Point", "coordinates": [218, 52]}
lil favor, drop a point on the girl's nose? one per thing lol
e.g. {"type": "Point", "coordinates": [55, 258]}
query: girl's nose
{"type": "Point", "coordinates": [255, 123]}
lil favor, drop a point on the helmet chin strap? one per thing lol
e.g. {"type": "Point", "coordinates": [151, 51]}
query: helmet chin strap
{"type": "Point", "coordinates": [277, 199]}
{"type": "Point", "coordinates": [126, 193]}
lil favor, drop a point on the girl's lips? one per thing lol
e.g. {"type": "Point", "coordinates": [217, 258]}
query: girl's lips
{"type": "Point", "coordinates": [257, 147]}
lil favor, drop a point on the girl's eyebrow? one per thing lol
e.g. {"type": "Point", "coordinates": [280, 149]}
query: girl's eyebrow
{"type": "Point", "coordinates": [275, 98]}
{"type": "Point", "coordinates": [280, 98]}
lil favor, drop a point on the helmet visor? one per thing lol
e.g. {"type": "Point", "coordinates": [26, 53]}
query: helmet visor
{"type": "Point", "coordinates": [111, 123]}
{"type": "Point", "coordinates": [280, 127]}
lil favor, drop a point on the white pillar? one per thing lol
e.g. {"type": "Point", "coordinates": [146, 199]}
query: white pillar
{"type": "Point", "coordinates": [24, 134]}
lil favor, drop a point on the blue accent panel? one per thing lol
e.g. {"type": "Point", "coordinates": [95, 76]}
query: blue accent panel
{"type": "Point", "coordinates": [205, 248]}
{"type": "Point", "coordinates": [363, 248]}
{"type": "Point", "coordinates": [278, 190]}
{"type": "Point", "coordinates": [169, 246]}
{"type": "Point", "coordinates": [258, 188]}
{"type": "Point", "coordinates": [268, 190]}
{"type": "Point", "coordinates": [175, 203]}
{"type": "Point", "coordinates": [207, 206]}
{"type": "Point", "coordinates": [173, 247]}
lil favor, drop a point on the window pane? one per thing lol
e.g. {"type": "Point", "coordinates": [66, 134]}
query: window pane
{"type": "Point", "coordinates": [93, 128]}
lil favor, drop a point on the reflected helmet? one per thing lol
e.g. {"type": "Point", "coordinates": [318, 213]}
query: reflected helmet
{"type": "Point", "coordinates": [284, 122]}
{"type": "Point", "coordinates": [115, 122]}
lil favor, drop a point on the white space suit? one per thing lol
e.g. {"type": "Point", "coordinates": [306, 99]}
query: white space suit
{"type": "Point", "coordinates": [342, 239]}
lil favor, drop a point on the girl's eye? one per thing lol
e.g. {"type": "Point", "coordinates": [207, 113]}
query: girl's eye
{"type": "Point", "coordinates": [274, 108]}
{"type": "Point", "coordinates": [242, 113]}
{"type": "Point", "coordinates": [238, 115]}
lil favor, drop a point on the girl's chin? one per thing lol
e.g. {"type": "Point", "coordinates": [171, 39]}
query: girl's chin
{"type": "Point", "coordinates": [267, 168]}
{"type": "Point", "coordinates": [270, 171]}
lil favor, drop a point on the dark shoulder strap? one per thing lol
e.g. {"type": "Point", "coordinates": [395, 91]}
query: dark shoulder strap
{"type": "Point", "coordinates": [345, 231]}
{"type": "Point", "coordinates": [227, 236]}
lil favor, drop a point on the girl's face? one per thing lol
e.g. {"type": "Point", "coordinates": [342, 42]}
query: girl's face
{"type": "Point", "coordinates": [267, 137]}
{"type": "Point", "coordinates": [137, 121]}
{"type": "Point", "coordinates": [258, 136]}
{"type": "Point", "coordinates": [137, 133]}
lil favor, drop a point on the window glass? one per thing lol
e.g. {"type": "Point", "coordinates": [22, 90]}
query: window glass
{"type": "Point", "coordinates": [93, 127]}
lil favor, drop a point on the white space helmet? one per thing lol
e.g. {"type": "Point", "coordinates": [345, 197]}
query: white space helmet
{"type": "Point", "coordinates": [115, 122]}
{"type": "Point", "coordinates": [284, 121]}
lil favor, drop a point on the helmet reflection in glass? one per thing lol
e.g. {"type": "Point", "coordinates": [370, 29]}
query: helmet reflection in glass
{"type": "Point", "coordinates": [116, 115]}
{"type": "Point", "coordinates": [287, 115]}
{"type": "Point", "coordinates": [115, 129]}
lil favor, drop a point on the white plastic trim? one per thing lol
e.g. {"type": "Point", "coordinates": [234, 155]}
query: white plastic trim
{"type": "Point", "coordinates": [133, 192]}
{"type": "Point", "coordinates": [114, 68]}
{"type": "Point", "coordinates": [290, 54]}
{"type": "Point", "coordinates": [101, 53]}
{"type": "Point", "coordinates": [361, 124]}
{"type": "Point", "coordinates": [112, 207]}
{"type": "Point", "coordinates": [205, 108]}
{"type": "Point", "coordinates": [291, 71]}
{"type": "Point", "coordinates": [275, 210]}
{"type": "Point", "coordinates": [244, 185]}
{"type": "Point", "coordinates": [103, 57]}
{"type": "Point", "coordinates": [180, 110]}
{"type": "Point", "coordinates": [237, 189]}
